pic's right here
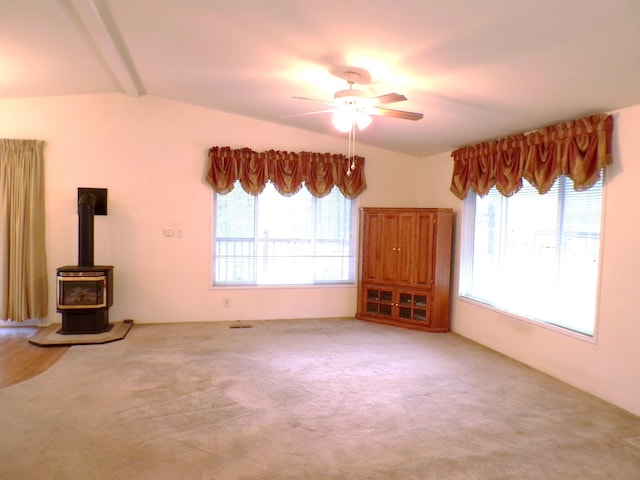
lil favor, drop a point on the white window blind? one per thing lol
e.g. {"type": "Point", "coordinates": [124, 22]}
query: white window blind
{"type": "Point", "coordinates": [270, 239]}
{"type": "Point", "coordinates": [535, 255]}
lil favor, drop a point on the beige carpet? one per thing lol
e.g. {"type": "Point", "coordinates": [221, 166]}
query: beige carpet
{"type": "Point", "coordinates": [308, 399]}
{"type": "Point", "coordinates": [49, 336]}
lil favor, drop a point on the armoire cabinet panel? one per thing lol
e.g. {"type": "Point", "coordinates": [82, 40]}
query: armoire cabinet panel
{"type": "Point", "coordinates": [387, 244]}
{"type": "Point", "coordinates": [424, 263]}
{"type": "Point", "coordinates": [371, 227]}
{"type": "Point", "coordinates": [404, 249]}
{"type": "Point", "coordinates": [405, 265]}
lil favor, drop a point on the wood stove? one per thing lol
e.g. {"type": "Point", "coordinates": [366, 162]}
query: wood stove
{"type": "Point", "coordinates": [85, 292]}
{"type": "Point", "coordinates": [84, 297]}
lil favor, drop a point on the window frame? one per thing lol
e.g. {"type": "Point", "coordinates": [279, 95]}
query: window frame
{"type": "Point", "coordinates": [467, 245]}
{"type": "Point", "coordinates": [353, 247]}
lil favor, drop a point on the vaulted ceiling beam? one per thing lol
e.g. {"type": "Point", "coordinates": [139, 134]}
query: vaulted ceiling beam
{"type": "Point", "coordinates": [105, 41]}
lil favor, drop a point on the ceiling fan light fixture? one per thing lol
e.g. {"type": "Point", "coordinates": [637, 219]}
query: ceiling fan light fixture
{"type": "Point", "coordinates": [362, 120]}
{"type": "Point", "coordinates": [342, 120]}
{"type": "Point", "coordinates": [345, 118]}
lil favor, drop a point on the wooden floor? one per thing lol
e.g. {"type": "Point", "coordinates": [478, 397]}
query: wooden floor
{"type": "Point", "coordinates": [19, 360]}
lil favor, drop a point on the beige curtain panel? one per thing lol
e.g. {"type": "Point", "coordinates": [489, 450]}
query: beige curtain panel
{"type": "Point", "coordinates": [579, 149]}
{"type": "Point", "coordinates": [288, 171]}
{"type": "Point", "coordinates": [23, 261]}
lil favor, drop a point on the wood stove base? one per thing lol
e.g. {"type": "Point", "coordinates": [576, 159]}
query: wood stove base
{"type": "Point", "coordinates": [77, 323]}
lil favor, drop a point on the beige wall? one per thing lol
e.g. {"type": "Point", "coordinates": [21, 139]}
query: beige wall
{"type": "Point", "coordinates": [608, 367]}
{"type": "Point", "coordinates": [150, 154]}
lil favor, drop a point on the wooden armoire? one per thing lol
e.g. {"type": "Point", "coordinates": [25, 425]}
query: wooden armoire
{"type": "Point", "coordinates": [405, 267]}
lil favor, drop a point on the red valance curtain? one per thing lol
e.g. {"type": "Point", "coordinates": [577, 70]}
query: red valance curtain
{"type": "Point", "coordinates": [578, 149]}
{"type": "Point", "coordinates": [319, 172]}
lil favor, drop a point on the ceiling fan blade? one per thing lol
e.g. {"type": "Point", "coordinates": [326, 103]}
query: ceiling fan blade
{"type": "Point", "coordinates": [314, 100]}
{"type": "Point", "coordinates": [388, 98]}
{"type": "Point", "coordinates": [310, 113]}
{"type": "Point", "coordinates": [387, 112]}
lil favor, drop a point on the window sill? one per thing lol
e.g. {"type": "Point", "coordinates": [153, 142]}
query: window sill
{"type": "Point", "coordinates": [548, 326]}
{"type": "Point", "coordinates": [282, 287]}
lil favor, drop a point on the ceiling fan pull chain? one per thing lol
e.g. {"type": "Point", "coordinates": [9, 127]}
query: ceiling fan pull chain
{"type": "Point", "coordinates": [351, 164]}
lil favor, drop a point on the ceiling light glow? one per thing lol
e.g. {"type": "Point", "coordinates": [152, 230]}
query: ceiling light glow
{"type": "Point", "coordinates": [345, 118]}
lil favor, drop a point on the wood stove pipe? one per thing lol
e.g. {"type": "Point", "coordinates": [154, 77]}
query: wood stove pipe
{"type": "Point", "coordinates": [86, 211]}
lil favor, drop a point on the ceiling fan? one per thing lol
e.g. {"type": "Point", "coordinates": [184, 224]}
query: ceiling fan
{"type": "Point", "coordinates": [352, 107]}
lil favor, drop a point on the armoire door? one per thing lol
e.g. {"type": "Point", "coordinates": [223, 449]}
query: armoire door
{"type": "Point", "coordinates": [423, 263]}
{"type": "Point", "coordinates": [389, 247]}
{"type": "Point", "coordinates": [371, 247]}
{"type": "Point", "coordinates": [405, 247]}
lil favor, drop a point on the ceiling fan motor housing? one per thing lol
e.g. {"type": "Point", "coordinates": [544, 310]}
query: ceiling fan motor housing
{"type": "Point", "coordinates": [350, 97]}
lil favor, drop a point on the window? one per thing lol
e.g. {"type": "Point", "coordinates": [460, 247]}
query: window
{"type": "Point", "coordinates": [270, 239]}
{"type": "Point", "coordinates": [535, 255]}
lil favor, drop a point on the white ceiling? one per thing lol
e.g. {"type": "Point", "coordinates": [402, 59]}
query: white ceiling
{"type": "Point", "coordinates": [476, 69]}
